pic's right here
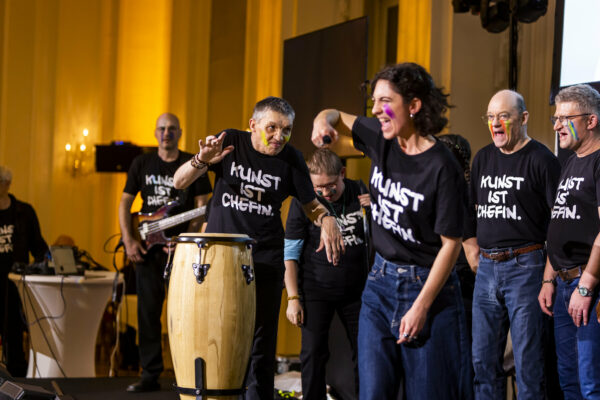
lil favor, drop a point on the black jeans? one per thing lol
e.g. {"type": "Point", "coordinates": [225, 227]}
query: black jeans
{"type": "Point", "coordinates": [13, 327]}
{"type": "Point", "coordinates": [150, 286]}
{"type": "Point", "coordinates": [315, 338]}
{"type": "Point", "coordinates": [261, 370]}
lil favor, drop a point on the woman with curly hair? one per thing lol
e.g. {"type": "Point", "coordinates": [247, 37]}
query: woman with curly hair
{"type": "Point", "coordinates": [412, 321]}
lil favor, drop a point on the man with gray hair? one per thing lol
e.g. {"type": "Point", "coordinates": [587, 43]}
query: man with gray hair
{"type": "Point", "coordinates": [513, 182]}
{"type": "Point", "coordinates": [20, 235]}
{"type": "Point", "coordinates": [255, 172]}
{"type": "Point", "coordinates": [572, 275]}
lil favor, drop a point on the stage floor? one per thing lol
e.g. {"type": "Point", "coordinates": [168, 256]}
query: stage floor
{"type": "Point", "coordinates": [104, 388]}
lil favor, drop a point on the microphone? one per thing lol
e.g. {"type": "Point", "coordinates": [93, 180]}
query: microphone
{"type": "Point", "coordinates": [326, 139]}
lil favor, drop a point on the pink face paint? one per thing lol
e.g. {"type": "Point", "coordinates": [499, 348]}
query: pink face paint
{"type": "Point", "coordinates": [388, 111]}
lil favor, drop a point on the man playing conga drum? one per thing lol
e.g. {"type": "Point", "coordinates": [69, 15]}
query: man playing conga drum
{"type": "Point", "coordinates": [255, 172]}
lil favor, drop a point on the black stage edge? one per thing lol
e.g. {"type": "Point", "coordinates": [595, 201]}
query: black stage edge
{"type": "Point", "coordinates": [103, 388]}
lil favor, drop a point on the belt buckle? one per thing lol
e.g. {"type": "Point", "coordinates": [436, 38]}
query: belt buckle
{"type": "Point", "coordinates": [497, 255]}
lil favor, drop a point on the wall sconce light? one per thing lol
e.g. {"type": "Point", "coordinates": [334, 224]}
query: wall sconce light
{"type": "Point", "coordinates": [79, 155]}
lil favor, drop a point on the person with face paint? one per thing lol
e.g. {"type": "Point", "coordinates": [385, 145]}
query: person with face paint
{"type": "Point", "coordinates": [316, 289]}
{"type": "Point", "coordinates": [412, 321]}
{"type": "Point", "coordinates": [152, 176]}
{"type": "Point", "coordinates": [513, 182]}
{"type": "Point", "coordinates": [254, 173]}
{"type": "Point", "coordinates": [570, 289]}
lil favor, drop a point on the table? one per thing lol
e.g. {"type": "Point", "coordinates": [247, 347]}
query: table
{"type": "Point", "coordinates": [64, 314]}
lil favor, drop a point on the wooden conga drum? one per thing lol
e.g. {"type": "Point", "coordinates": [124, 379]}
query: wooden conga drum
{"type": "Point", "coordinates": [210, 311]}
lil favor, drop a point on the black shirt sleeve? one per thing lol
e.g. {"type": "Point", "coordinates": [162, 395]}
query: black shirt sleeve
{"type": "Point", "coordinates": [365, 135]}
{"type": "Point", "coordinates": [450, 202]}
{"type": "Point", "coordinates": [551, 178]}
{"type": "Point", "coordinates": [297, 223]}
{"type": "Point", "coordinates": [36, 243]}
{"type": "Point", "coordinates": [302, 184]}
{"type": "Point", "coordinates": [133, 185]}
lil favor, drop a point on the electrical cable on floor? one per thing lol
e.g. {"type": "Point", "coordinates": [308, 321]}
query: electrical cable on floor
{"type": "Point", "coordinates": [113, 354]}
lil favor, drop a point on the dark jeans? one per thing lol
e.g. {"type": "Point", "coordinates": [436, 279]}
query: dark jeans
{"type": "Point", "coordinates": [578, 349]}
{"type": "Point", "coordinates": [436, 365]}
{"type": "Point", "coordinates": [13, 327]}
{"type": "Point", "coordinates": [506, 295]}
{"type": "Point", "coordinates": [315, 337]}
{"type": "Point", "coordinates": [261, 371]}
{"type": "Point", "coordinates": [150, 286]}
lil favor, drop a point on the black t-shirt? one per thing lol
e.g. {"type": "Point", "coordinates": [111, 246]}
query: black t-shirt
{"type": "Point", "coordinates": [153, 178]}
{"type": "Point", "coordinates": [513, 194]}
{"type": "Point", "coordinates": [574, 222]}
{"type": "Point", "coordinates": [249, 189]}
{"type": "Point", "coordinates": [319, 279]}
{"type": "Point", "coordinates": [7, 230]}
{"type": "Point", "coordinates": [414, 198]}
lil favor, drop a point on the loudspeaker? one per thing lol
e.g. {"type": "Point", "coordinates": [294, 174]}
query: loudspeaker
{"type": "Point", "coordinates": [117, 156]}
{"type": "Point", "coordinates": [17, 391]}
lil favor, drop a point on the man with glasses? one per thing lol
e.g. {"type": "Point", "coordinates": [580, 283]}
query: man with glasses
{"type": "Point", "coordinates": [513, 184]}
{"type": "Point", "coordinates": [152, 176]}
{"type": "Point", "coordinates": [573, 264]}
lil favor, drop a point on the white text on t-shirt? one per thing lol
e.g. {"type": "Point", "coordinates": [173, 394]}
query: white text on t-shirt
{"type": "Point", "coordinates": [387, 212]}
{"type": "Point", "coordinates": [561, 210]}
{"type": "Point", "coordinates": [496, 206]}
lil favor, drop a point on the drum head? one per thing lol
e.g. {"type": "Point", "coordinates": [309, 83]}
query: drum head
{"type": "Point", "coordinates": [200, 238]}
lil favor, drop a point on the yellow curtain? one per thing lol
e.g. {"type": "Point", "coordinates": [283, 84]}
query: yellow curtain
{"type": "Point", "coordinates": [264, 52]}
{"type": "Point", "coordinates": [414, 32]}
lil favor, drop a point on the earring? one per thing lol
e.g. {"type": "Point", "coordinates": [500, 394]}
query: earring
{"type": "Point", "coordinates": [412, 116]}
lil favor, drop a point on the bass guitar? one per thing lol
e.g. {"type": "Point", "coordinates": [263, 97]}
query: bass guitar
{"type": "Point", "coordinates": [151, 226]}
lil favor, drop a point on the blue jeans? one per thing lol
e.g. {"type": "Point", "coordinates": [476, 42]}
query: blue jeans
{"type": "Point", "coordinates": [506, 295]}
{"type": "Point", "coordinates": [577, 349]}
{"type": "Point", "coordinates": [436, 365]}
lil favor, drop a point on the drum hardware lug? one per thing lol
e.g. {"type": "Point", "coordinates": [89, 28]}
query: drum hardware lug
{"type": "Point", "coordinates": [248, 273]}
{"type": "Point", "coordinates": [200, 271]}
{"type": "Point", "coordinates": [249, 246]}
{"type": "Point", "coordinates": [200, 391]}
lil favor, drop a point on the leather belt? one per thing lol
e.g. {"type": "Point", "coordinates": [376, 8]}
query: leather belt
{"type": "Point", "coordinates": [569, 274]}
{"type": "Point", "coordinates": [508, 254]}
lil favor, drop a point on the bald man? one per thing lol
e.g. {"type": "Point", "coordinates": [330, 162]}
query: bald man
{"type": "Point", "coordinates": [513, 183]}
{"type": "Point", "coordinates": [152, 176]}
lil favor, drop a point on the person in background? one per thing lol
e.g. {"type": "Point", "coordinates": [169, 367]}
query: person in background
{"type": "Point", "coordinates": [20, 237]}
{"type": "Point", "coordinates": [151, 175]}
{"type": "Point", "coordinates": [466, 265]}
{"type": "Point", "coordinates": [316, 288]}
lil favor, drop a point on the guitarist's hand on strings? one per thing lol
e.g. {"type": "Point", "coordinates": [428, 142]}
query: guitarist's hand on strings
{"type": "Point", "coordinates": [211, 149]}
{"type": "Point", "coordinates": [134, 250]}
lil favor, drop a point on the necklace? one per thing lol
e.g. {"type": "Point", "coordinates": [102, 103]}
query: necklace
{"type": "Point", "coordinates": [330, 205]}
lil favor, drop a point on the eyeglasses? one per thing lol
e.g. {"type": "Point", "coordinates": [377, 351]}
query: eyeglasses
{"type": "Point", "coordinates": [503, 116]}
{"type": "Point", "coordinates": [563, 118]}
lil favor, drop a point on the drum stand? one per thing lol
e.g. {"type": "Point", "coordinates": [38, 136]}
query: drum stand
{"type": "Point", "coordinates": [199, 391]}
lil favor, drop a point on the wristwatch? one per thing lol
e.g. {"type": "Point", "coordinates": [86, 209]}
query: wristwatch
{"type": "Point", "coordinates": [584, 292]}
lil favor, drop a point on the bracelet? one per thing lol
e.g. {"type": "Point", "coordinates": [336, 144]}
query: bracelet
{"type": "Point", "coordinates": [296, 297]}
{"type": "Point", "coordinates": [325, 214]}
{"type": "Point", "coordinates": [552, 281]}
{"type": "Point", "coordinates": [197, 163]}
